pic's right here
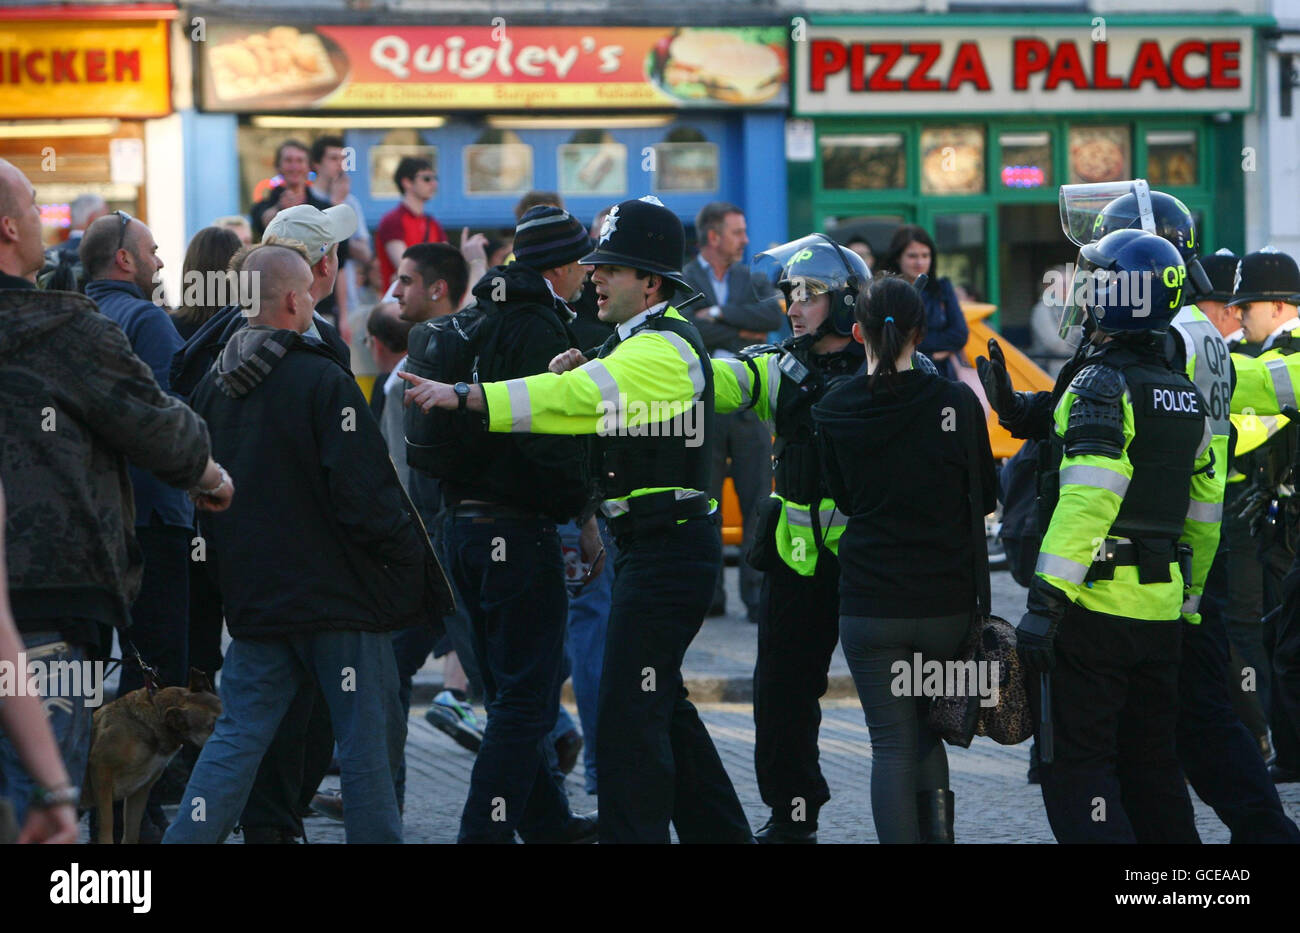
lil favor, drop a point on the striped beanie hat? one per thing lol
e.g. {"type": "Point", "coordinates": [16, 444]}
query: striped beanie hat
{"type": "Point", "coordinates": [548, 237]}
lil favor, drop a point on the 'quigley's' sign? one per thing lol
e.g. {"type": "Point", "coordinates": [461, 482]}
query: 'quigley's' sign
{"type": "Point", "coordinates": [899, 69]}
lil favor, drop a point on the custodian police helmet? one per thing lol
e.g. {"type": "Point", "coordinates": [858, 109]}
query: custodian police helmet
{"type": "Point", "coordinates": [641, 234]}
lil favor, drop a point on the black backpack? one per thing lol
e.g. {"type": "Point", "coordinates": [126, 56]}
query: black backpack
{"type": "Point", "coordinates": [1021, 536]}
{"type": "Point", "coordinates": [448, 349]}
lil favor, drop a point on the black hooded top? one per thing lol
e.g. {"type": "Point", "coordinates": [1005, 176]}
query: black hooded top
{"type": "Point", "coordinates": [895, 459]}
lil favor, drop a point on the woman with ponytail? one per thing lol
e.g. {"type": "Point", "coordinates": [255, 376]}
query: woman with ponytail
{"type": "Point", "coordinates": [895, 444]}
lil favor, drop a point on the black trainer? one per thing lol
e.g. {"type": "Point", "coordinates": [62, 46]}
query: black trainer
{"type": "Point", "coordinates": [784, 832]}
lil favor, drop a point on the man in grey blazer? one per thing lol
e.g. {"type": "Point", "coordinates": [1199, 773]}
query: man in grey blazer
{"type": "Point", "coordinates": [735, 317]}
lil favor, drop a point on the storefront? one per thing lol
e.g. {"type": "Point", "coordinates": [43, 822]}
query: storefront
{"type": "Point", "coordinates": [597, 114]}
{"type": "Point", "coordinates": [83, 95]}
{"type": "Point", "coordinates": [968, 124]}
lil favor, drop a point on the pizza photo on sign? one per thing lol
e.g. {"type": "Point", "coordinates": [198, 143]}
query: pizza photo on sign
{"type": "Point", "coordinates": [702, 65]}
{"type": "Point", "coordinates": [1098, 154]}
{"type": "Point", "coordinates": [279, 61]}
{"type": "Point", "coordinates": [952, 161]}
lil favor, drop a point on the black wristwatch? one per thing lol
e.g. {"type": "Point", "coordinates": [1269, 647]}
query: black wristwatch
{"type": "Point", "coordinates": [462, 392]}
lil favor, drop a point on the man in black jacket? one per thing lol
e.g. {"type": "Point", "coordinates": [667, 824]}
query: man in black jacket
{"type": "Point", "coordinates": [324, 559]}
{"type": "Point", "coordinates": [506, 552]}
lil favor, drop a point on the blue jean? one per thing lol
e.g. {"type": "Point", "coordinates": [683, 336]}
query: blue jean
{"type": "Point", "coordinates": [358, 677]}
{"type": "Point", "coordinates": [510, 574]}
{"type": "Point", "coordinates": [70, 720]}
{"type": "Point", "coordinates": [585, 643]}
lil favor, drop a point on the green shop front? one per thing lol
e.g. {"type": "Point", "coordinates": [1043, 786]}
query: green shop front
{"type": "Point", "coordinates": [968, 125]}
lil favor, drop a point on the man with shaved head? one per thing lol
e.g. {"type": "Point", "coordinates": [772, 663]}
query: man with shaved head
{"type": "Point", "coordinates": [77, 405]}
{"type": "Point", "coordinates": [319, 562]}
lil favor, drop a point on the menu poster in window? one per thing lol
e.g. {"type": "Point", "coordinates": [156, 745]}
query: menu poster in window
{"type": "Point", "coordinates": [952, 161]}
{"type": "Point", "coordinates": [1098, 153]}
{"type": "Point", "coordinates": [599, 168]}
{"type": "Point", "coordinates": [869, 161]}
{"type": "Point", "coordinates": [384, 161]}
{"type": "Point", "coordinates": [499, 168]}
{"type": "Point", "coordinates": [686, 167]}
{"type": "Point", "coordinates": [1171, 158]}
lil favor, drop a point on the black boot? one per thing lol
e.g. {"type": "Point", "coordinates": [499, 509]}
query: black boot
{"type": "Point", "coordinates": [934, 816]}
{"type": "Point", "coordinates": [786, 832]}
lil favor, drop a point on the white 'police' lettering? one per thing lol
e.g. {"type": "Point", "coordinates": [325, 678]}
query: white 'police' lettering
{"type": "Point", "coordinates": [1175, 400]}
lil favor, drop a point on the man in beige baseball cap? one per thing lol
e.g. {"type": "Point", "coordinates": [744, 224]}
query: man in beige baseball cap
{"type": "Point", "coordinates": [319, 233]}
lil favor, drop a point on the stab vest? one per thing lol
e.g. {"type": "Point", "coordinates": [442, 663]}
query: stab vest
{"type": "Point", "coordinates": [1276, 456]}
{"type": "Point", "coordinates": [794, 454]}
{"type": "Point", "coordinates": [1168, 429]}
{"type": "Point", "coordinates": [624, 463]}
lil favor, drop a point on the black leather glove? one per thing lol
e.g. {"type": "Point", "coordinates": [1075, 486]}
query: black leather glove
{"type": "Point", "coordinates": [1036, 633]}
{"type": "Point", "coordinates": [1254, 508]}
{"type": "Point", "coordinates": [997, 384]}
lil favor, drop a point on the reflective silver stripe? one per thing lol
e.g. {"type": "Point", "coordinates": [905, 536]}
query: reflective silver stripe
{"type": "Point", "coordinates": [1207, 437]}
{"type": "Point", "coordinates": [831, 518]}
{"type": "Point", "coordinates": [1272, 423]}
{"type": "Point", "coordinates": [744, 379]}
{"type": "Point", "coordinates": [689, 357]}
{"type": "Point", "coordinates": [1205, 511]}
{"type": "Point", "coordinates": [615, 507]}
{"type": "Point", "coordinates": [1062, 567]}
{"type": "Point", "coordinates": [1097, 477]}
{"type": "Point", "coordinates": [599, 373]}
{"type": "Point", "coordinates": [773, 381]}
{"type": "Point", "coordinates": [521, 409]}
{"type": "Point", "coordinates": [1191, 602]}
{"type": "Point", "coordinates": [1282, 386]}
{"type": "Point", "coordinates": [801, 518]}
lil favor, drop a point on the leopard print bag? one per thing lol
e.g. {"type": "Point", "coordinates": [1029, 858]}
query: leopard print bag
{"type": "Point", "coordinates": [989, 672]}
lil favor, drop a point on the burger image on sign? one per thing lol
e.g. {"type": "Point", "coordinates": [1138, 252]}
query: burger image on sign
{"type": "Point", "coordinates": [713, 65]}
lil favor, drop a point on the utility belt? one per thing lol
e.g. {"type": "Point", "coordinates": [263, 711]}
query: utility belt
{"type": "Point", "coordinates": [1152, 557]}
{"type": "Point", "coordinates": [490, 512]}
{"type": "Point", "coordinates": [654, 512]}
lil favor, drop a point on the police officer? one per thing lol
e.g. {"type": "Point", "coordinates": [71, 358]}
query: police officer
{"type": "Point", "coordinates": [648, 398]}
{"type": "Point", "coordinates": [1267, 290]}
{"type": "Point", "coordinates": [1104, 607]}
{"type": "Point", "coordinates": [1212, 742]}
{"type": "Point", "coordinates": [800, 526]}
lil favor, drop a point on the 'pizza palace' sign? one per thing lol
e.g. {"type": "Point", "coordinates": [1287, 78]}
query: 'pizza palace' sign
{"type": "Point", "coordinates": [911, 70]}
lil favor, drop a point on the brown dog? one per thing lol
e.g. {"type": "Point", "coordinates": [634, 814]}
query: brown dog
{"type": "Point", "coordinates": [134, 738]}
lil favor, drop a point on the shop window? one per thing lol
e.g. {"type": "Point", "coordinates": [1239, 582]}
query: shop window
{"type": "Point", "coordinates": [591, 163]}
{"type": "Point", "coordinates": [384, 161]}
{"type": "Point", "coordinates": [863, 162]}
{"type": "Point", "coordinates": [868, 235]}
{"type": "Point", "coordinates": [952, 160]}
{"type": "Point", "coordinates": [498, 164]}
{"type": "Point", "coordinates": [1026, 160]}
{"type": "Point", "coordinates": [685, 161]}
{"type": "Point", "coordinates": [1171, 158]}
{"type": "Point", "coordinates": [1099, 153]}
{"type": "Point", "coordinates": [961, 240]}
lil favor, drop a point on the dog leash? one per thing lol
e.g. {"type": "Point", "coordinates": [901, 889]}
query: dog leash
{"type": "Point", "coordinates": [148, 671]}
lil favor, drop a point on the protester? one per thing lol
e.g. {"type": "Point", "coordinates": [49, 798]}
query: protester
{"type": "Point", "coordinates": [912, 254]}
{"type": "Point", "coordinates": [318, 564]}
{"type": "Point", "coordinates": [22, 719]}
{"type": "Point", "coordinates": [293, 162]}
{"type": "Point", "coordinates": [735, 316]}
{"type": "Point", "coordinates": [84, 210]}
{"type": "Point", "coordinates": [206, 280]}
{"type": "Point", "coordinates": [408, 223]}
{"type": "Point", "coordinates": [120, 257]}
{"type": "Point", "coordinates": [860, 246]}
{"type": "Point", "coordinates": [89, 406]}
{"type": "Point", "coordinates": [333, 184]}
{"type": "Point", "coordinates": [238, 225]}
{"type": "Point", "coordinates": [909, 526]}
{"type": "Point", "coordinates": [386, 335]}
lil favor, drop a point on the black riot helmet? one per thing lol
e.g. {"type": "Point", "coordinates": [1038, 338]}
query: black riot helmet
{"type": "Point", "coordinates": [1090, 212]}
{"type": "Point", "coordinates": [1128, 282]}
{"type": "Point", "coordinates": [816, 265]}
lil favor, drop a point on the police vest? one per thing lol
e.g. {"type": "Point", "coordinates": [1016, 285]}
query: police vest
{"type": "Point", "coordinates": [660, 458]}
{"type": "Point", "coordinates": [1276, 456]}
{"type": "Point", "coordinates": [1207, 353]}
{"type": "Point", "coordinates": [1168, 429]}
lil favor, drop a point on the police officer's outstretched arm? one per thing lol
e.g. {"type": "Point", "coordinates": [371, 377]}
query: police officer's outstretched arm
{"type": "Point", "coordinates": [1025, 414]}
{"type": "Point", "coordinates": [1095, 423]}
